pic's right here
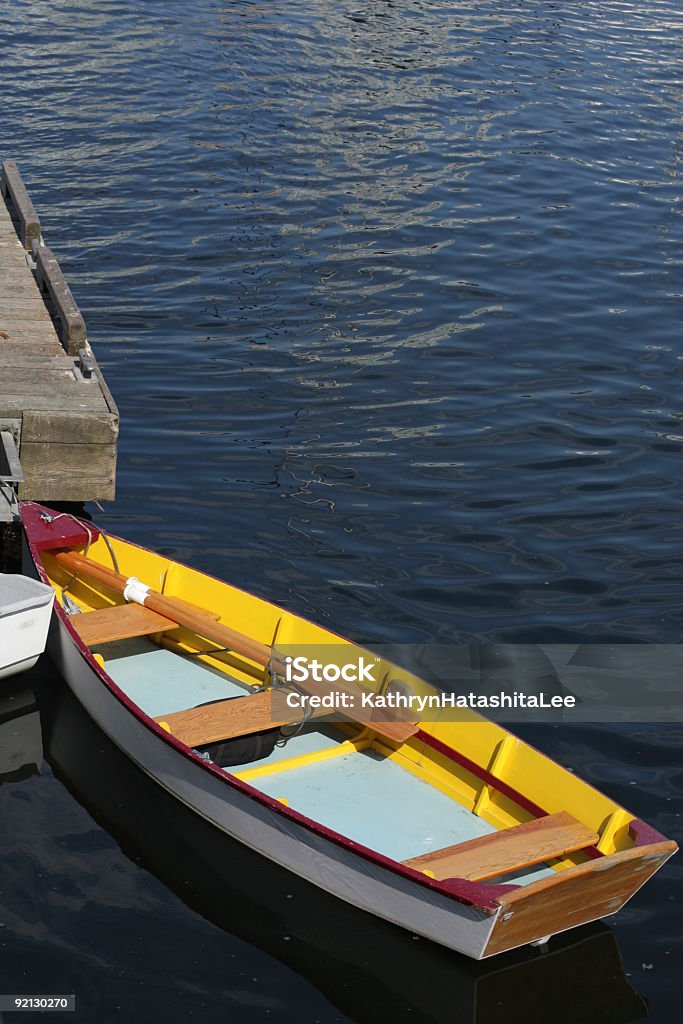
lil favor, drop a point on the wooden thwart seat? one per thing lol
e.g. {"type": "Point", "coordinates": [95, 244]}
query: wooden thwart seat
{"type": "Point", "coordinates": [239, 716]}
{"type": "Point", "coordinates": [226, 719]}
{"type": "Point", "coordinates": [509, 850]}
{"type": "Point", "coordinates": [121, 622]}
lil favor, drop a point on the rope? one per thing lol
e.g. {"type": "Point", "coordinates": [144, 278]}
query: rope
{"type": "Point", "coordinates": [68, 515]}
{"type": "Point", "coordinates": [81, 522]}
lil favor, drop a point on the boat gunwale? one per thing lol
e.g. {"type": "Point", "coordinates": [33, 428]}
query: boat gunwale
{"type": "Point", "coordinates": [486, 898]}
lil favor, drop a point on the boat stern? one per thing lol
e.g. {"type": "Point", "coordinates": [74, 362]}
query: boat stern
{"type": "Point", "coordinates": [574, 896]}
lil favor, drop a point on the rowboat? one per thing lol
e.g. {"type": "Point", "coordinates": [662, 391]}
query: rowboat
{"type": "Point", "coordinates": [25, 612]}
{"type": "Point", "coordinates": [456, 830]}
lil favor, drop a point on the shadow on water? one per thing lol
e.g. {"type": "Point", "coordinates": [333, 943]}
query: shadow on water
{"type": "Point", "coordinates": [368, 970]}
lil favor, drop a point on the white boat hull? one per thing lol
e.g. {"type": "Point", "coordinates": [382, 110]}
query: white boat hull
{"type": "Point", "coordinates": [23, 632]}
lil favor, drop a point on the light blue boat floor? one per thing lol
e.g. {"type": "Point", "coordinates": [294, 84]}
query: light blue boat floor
{"type": "Point", "coordinates": [376, 802]}
{"type": "Point", "coordinates": [362, 795]}
{"type": "Point", "coordinates": [161, 681]}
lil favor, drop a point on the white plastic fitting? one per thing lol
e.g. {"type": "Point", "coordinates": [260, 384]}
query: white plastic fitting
{"type": "Point", "coordinates": [135, 590]}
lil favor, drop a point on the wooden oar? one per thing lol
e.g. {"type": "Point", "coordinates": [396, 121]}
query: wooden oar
{"type": "Point", "coordinates": [198, 621]}
{"type": "Point", "coordinates": [203, 625]}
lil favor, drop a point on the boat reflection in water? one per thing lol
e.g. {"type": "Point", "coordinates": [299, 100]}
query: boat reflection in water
{"type": "Point", "coordinates": [21, 741]}
{"type": "Point", "coordinates": [370, 970]}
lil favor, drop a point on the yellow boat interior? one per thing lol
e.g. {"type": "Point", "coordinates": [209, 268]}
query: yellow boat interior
{"type": "Point", "coordinates": [463, 799]}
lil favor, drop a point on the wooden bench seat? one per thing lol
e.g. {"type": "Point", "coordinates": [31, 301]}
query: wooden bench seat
{"type": "Point", "coordinates": [511, 849]}
{"type": "Point", "coordinates": [121, 622]}
{"type": "Point", "coordinates": [239, 716]}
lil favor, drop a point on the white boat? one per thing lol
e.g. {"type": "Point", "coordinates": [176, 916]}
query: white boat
{"type": "Point", "coordinates": [25, 612]}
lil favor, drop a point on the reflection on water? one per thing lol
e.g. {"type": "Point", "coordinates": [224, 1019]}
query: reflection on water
{"type": "Point", "coordinates": [21, 742]}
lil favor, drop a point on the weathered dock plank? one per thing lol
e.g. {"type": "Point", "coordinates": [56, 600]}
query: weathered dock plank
{"type": "Point", "coordinates": [13, 306]}
{"type": "Point", "coordinates": [61, 466]}
{"type": "Point", "coordinates": [18, 200]}
{"type": "Point", "coordinates": [20, 351]}
{"type": "Point", "coordinates": [44, 380]}
{"type": "Point", "coordinates": [14, 404]}
{"type": "Point", "coordinates": [51, 280]}
{"type": "Point", "coordinates": [25, 331]}
{"type": "Point", "coordinates": [14, 357]}
{"type": "Point", "coordinates": [67, 425]}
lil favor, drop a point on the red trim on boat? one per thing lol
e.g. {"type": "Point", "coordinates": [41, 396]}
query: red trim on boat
{"type": "Point", "coordinates": [460, 887]}
{"type": "Point", "coordinates": [51, 530]}
{"type": "Point", "coordinates": [644, 834]}
{"type": "Point", "coordinates": [481, 773]}
{"type": "Point", "coordinates": [591, 852]}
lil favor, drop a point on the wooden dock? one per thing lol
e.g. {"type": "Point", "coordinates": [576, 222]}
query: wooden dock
{"type": "Point", "coordinates": [54, 403]}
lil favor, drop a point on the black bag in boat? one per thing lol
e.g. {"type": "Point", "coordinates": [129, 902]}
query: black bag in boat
{"type": "Point", "coordinates": [243, 749]}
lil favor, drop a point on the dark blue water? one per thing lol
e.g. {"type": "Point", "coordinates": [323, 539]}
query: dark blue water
{"type": "Point", "coordinates": [389, 298]}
